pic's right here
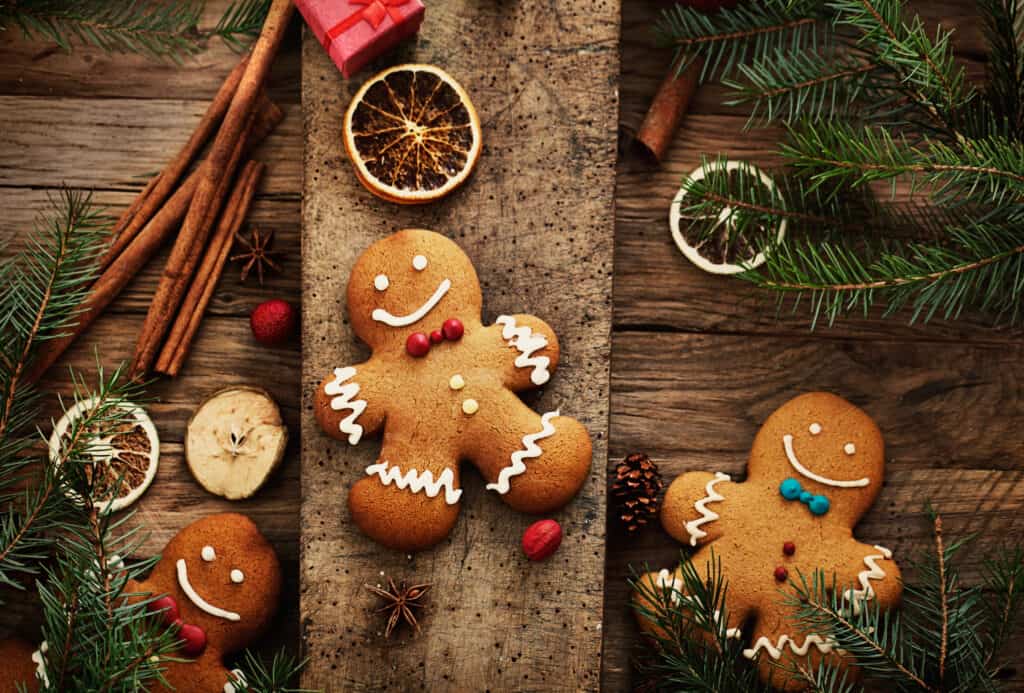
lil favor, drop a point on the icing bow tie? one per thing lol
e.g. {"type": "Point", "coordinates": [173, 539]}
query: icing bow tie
{"type": "Point", "coordinates": [193, 638]}
{"type": "Point", "coordinates": [791, 490]}
{"type": "Point", "coordinates": [418, 343]}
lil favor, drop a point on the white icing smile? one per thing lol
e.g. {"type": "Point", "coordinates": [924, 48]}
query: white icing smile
{"type": "Point", "coordinates": [787, 442]}
{"type": "Point", "coordinates": [381, 315]}
{"type": "Point", "coordinates": [201, 603]}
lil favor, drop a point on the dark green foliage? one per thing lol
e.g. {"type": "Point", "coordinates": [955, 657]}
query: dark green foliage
{"type": "Point", "coordinates": [945, 638]}
{"type": "Point", "coordinates": [161, 29]}
{"type": "Point", "coordinates": [275, 677]}
{"type": "Point", "coordinates": [869, 94]}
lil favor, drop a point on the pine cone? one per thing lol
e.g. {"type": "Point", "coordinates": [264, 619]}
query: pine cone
{"type": "Point", "coordinates": [636, 490]}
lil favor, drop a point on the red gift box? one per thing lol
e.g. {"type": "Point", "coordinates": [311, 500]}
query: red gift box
{"type": "Point", "coordinates": [354, 32]}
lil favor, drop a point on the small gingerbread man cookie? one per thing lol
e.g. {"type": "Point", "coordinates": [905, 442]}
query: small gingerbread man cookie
{"type": "Point", "coordinates": [442, 386]}
{"type": "Point", "coordinates": [222, 581]}
{"type": "Point", "coordinates": [815, 468]}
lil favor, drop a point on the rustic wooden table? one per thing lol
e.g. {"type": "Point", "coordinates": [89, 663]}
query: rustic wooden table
{"type": "Point", "coordinates": [697, 361]}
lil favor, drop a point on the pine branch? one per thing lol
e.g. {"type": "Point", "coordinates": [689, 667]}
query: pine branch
{"type": "Point", "coordinates": [259, 677]}
{"type": "Point", "coordinates": [241, 23]}
{"type": "Point", "coordinates": [727, 38]}
{"type": "Point", "coordinates": [1003, 25]}
{"type": "Point", "coordinates": [1003, 581]}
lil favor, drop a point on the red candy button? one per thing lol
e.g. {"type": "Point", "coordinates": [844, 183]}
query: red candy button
{"type": "Point", "coordinates": [789, 548]}
{"type": "Point", "coordinates": [194, 640]}
{"type": "Point", "coordinates": [781, 574]}
{"type": "Point", "coordinates": [436, 337]}
{"type": "Point", "coordinates": [453, 329]}
{"type": "Point", "coordinates": [418, 344]}
{"type": "Point", "coordinates": [168, 606]}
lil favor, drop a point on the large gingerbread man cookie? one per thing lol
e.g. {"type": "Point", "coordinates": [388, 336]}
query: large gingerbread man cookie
{"type": "Point", "coordinates": [222, 581]}
{"type": "Point", "coordinates": [815, 468]}
{"type": "Point", "coordinates": [443, 386]}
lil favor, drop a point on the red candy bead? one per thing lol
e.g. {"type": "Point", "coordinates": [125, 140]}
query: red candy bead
{"type": "Point", "coordinates": [167, 606]}
{"type": "Point", "coordinates": [789, 548]}
{"type": "Point", "coordinates": [194, 640]}
{"type": "Point", "coordinates": [453, 329]}
{"type": "Point", "coordinates": [781, 574]}
{"type": "Point", "coordinates": [418, 344]}
{"type": "Point", "coordinates": [436, 337]}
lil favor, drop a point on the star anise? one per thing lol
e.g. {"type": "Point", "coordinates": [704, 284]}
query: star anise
{"type": "Point", "coordinates": [399, 603]}
{"type": "Point", "coordinates": [259, 253]}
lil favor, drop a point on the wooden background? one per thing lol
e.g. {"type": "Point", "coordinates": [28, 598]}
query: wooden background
{"type": "Point", "coordinates": [698, 361]}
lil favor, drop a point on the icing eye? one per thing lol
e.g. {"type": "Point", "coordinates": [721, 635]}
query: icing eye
{"type": "Point", "coordinates": [419, 263]}
{"type": "Point", "coordinates": [814, 428]}
{"type": "Point", "coordinates": [381, 282]}
{"type": "Point", "coordinates": [208, 554]}
{"type": "Point", "coordinates": [849, 448]}
{"type": "Point", "coordinates": [237, 576]}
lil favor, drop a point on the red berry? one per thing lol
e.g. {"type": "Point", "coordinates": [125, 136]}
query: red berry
{"type": "Point", "coordinates": [541, 539]}
{"type": "Point", "coordinates": [168, 606]}
{"type": "Point", "coordinates": [194, 640]}
{"type": "Point", "coordinates": [453, 329]}
{"type": "Point", "coordinates": [436, 337]}
{"type": "Point", "coordinates": [273, 321]}
{"type": "Point", "coordinates": [418, 344]}
{"type": "Point", "coordinates": [781, 574]}
{"type": "Point", "coordinates": [789, 548]}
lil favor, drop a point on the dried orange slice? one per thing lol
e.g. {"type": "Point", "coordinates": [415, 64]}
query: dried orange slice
{"type": "Point", "coordinates": [412, 134]}
{"type": "Point", "coordinates": [124, 462]}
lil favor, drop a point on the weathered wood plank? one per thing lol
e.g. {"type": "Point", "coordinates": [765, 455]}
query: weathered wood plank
{"type": "Point", "coordinates": [540, 80]}
{"type": "Point", "coordinates": [116, 143]}
{"type": "Point", "coordinates": [950, 415]}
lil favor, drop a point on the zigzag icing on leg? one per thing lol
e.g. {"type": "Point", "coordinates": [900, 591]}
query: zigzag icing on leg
{"type": "Point", "coordinates": [343, 396]}
{"type": "Point", "coordinates": [873, 572]}
{"type": "Point", "coordinates": [676, 584]}
{"type": "Point", "coordinates": [530, 449]}
{"type": "Point", "coordinates": [713, 496]}
{"type": "Point", "coordinates": [417, 482]}
{"type": "Point", "coordinates": [775, 650]}
{"type": "Point", "coordinates": [526, 341]}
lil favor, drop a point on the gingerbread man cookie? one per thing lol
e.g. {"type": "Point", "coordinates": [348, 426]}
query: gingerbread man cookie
{"type": "Point", "coordinates": [222, 580]}
{"type": "Point", "coordinates": [442, 386]}
{"type": "Point", "coordinates": [815, 468]}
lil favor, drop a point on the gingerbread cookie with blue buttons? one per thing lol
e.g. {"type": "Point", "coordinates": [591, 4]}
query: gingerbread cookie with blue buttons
{"type": "Point", "coordinates": [815, 468]}
{"type": "Point", "coordinates": [442, 387]}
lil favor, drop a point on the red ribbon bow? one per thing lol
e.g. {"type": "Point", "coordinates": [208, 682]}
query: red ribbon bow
{"type": "Point", "coordinates": [374, 12]}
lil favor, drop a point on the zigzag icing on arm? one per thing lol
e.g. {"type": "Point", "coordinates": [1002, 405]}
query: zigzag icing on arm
{"type": "Point", "coordinates": [418, 482]}
{"type": "Point", "coordinates": [527, 342]}
{"type": "Point", "coordinates": [775, 650]}
{"type": "Point", "coordinates": [676, 585]}
{"type": "Point", "coordinates": [530, 449]}
{"type": "Point", "coordinates": [713, 496]}
{"type": "Point", "coordinates": [874, 572]}
{"type": "Point", "coordinates": [343, 396]}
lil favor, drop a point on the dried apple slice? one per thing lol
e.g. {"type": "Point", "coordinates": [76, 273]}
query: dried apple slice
{"type": "Point", "coordinates": [234, 441]}
{"type": "Point", "coordinates": [124, 462]}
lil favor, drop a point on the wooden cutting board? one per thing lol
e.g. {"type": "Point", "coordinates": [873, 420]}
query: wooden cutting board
{"type": "Point", "coordinates": [536, 218]}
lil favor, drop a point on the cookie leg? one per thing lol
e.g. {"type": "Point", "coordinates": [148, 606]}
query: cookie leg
{"type": "Point", "coordinates": [780, 647]}
{"type": "Point", "coordinates": [657, 592]}
{"type": "Point", "coordinates": [536, 463]}
{"type": "Point", "coordinates": [406, 501]}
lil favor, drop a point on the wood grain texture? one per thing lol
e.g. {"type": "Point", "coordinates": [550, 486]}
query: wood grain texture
{"type": "Point", "coordinates": [536, 219]}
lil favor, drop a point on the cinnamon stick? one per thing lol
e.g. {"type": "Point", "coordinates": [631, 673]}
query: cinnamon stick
{"type": "Point", "coordinates": [194, 232]}
{"type": "Point", "coordinates": [151, 199]}
{"type": "Point", "coordinates": [129, 214]}
{"type": "Point", "coordinates": [142, 248]}
{"type": "Point", "coordinates": [176, 349]}
{"type": "Point", "coordinates": [667, 110]}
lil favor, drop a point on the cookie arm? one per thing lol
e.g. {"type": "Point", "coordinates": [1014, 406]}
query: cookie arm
{"type": "Point", "coordinates": [349, 403]}
{"type": "Point", "coordinates": [872, 576]}
{"type": "Point", "coordinates": [690, 512]}
{"type": "Point", "coordinates": [532, 350]}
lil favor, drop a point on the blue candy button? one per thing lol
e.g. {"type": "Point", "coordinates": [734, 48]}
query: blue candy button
{"type": "Point", "coordinates": [806, 496]}
{"type": "Point", "coordinates": [790, 489]}
{"type": "Point", "coordinates": [818, 505]}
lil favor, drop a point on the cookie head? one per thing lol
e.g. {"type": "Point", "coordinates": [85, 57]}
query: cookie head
{"type": "Point", "coordinates": [225, 578]}
{"type": "Point", "coordinates": [822, 451]}
{"type": "Point", "coordinates": [411, 281]}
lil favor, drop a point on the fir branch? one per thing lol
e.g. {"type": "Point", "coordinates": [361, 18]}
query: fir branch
{"type": "Point", "coordinates": [1003, 581]}
{"type": "Point", "coordinates": [727, 38]}
{"type": "Point", "coordinates": [259, 677]}
{"type": "Point", "coordinates": [1003, 25]}
{"type": "Point", "coordinates": [241, 23]}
